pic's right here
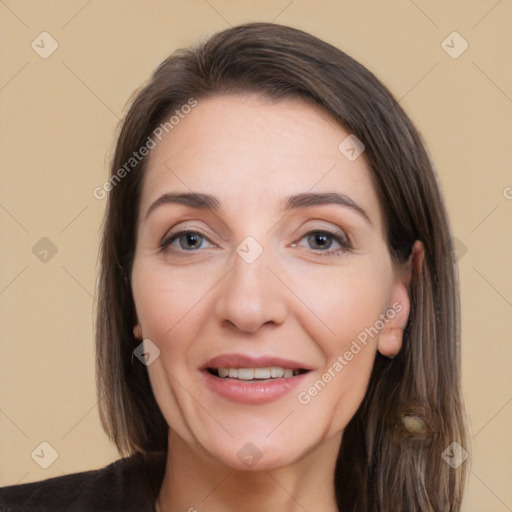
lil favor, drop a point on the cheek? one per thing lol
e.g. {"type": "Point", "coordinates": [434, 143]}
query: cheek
{"type": "Point", "coordinates": [345, 325]}
{"type": "Point", "coordinates": [336, 391]}
{"type": "Point", "coordinates": [169, 305]}
{"type": "Point", "coordinates": [344, 303]}
{"type": "Point", "coordinates": [167, 301]}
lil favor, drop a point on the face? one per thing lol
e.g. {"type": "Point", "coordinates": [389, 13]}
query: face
{"type": "Point", "coordinates": [267, 311]}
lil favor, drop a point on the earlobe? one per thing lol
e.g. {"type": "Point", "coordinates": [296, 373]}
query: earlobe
{"type": "Point", "coordinates": [137, 331]}
{"type": "Point", "coordinates": [391, 336]}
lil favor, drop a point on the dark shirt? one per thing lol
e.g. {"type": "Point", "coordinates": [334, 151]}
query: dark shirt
{"type": "Point", "coordinates": [126, 485]}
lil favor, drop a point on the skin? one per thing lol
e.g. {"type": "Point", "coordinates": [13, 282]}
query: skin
{"type": "Point", "coordinates": [292, 301]}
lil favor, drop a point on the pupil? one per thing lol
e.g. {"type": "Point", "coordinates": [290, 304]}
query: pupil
{"type": "Point", "coordinates": [192, 240]}
{"type": "Point", "coordinates": [320, 239]}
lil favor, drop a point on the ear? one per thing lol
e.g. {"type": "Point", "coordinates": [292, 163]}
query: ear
{"type": "Point", "coordinates": [137, 331]}
{"type": "Point", "coordinates": [391, 336]}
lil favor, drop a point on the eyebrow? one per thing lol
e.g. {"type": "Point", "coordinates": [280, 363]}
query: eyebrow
{"type": "Point", "coordinates": [303, 200]}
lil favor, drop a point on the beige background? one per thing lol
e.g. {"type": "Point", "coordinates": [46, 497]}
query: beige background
{"type": "Point", "coordinates": [58, 120]}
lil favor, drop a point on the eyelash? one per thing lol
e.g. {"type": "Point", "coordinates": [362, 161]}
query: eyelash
{"type": "Point", "coordinates": [344, 243]}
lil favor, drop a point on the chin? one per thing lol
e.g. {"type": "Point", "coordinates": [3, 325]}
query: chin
{"type": "Point", "coordinates": [257, 453]}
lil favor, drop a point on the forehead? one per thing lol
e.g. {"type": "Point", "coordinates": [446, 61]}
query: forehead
{"type": "Point", "coordinates": [249, 150]}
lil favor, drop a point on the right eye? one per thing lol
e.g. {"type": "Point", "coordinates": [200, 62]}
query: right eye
{"type": "Point", "coordinates": [188, 240]}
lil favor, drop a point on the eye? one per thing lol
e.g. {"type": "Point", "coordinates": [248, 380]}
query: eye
{"type": "Point", "coordinates": [321, 240]}
{"type": "Point", "coordinates": [188, 240]}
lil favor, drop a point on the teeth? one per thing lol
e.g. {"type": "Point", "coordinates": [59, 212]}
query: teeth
{"type": "Point", "coordinates": [262, 373]}
{"type": "Point", "coordinates": [276, 372]}
{"type": "Point", "coordinates": [271, 372]}
{"type": "Point", "coordinates": [246, 373]}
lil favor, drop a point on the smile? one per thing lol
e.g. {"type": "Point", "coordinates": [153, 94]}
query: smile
{"type": "Point", "coordinates": [251, 379]}
{"type": "Point", "coordinates": [250, 374]}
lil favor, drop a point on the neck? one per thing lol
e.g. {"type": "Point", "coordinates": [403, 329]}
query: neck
{"type": "Point", "coordinates": [194, 481]}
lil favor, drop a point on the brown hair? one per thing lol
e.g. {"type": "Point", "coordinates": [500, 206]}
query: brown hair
{"type": "Point", "coordinates": [383, 463]}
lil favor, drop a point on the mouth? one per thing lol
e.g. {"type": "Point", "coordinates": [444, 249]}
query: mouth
{"type": "Point", "coordinates": [267, 373]}
{"type": "Point", "coordinates": [252, 379]}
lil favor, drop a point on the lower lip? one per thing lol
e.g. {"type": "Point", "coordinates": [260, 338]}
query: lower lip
{"type": "Point", "coordinates": [251, 392]}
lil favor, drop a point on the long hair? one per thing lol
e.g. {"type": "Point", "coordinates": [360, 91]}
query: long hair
{"type": "Point", "coordinates": [383, 464]}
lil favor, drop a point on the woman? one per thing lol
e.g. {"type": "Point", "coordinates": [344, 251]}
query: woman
{"type": "Point", "coordinates": [278, 323]}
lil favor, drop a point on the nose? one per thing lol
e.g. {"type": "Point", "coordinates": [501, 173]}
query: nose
{"type": "Point", "coordinates": [250, 296]}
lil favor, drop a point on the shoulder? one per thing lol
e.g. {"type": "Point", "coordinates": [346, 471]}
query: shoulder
{"type": "Point", "coordinates": [127, 484]}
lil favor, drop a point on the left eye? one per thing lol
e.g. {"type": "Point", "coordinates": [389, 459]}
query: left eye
{"type": "Point", "coordinates": [322, 240]}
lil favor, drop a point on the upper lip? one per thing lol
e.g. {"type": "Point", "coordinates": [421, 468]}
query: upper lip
{"type": "Point", "coordinates": [246, 361]}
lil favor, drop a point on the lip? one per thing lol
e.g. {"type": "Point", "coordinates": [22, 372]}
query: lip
{"type": "Point", "coordinates": [246, 361]}
{"type": "Point", "coordinates": [251, 392]}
